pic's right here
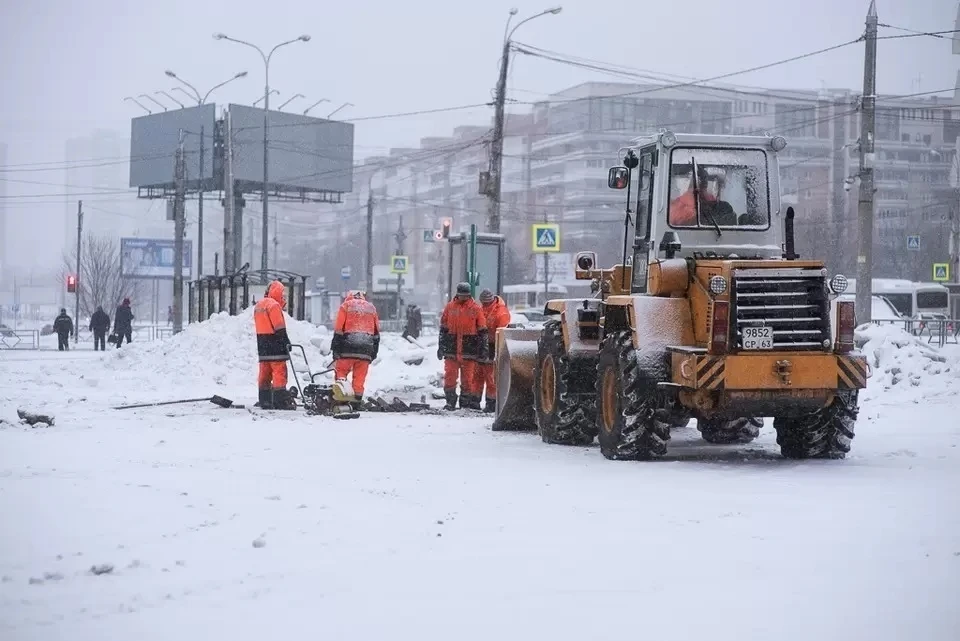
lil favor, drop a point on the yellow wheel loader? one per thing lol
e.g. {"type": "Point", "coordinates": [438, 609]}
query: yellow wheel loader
{"type": "Point", "coordinates": [710, 315]}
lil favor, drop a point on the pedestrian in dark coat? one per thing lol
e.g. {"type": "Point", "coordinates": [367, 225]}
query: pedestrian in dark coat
{"type": "Point", "coordinates": [63, 326]}
{"type": "Point", "coordinates": [123, 323]}
{"type": "Point", "coordinates": [414, 322]}
{"type": "Point", "coordinates": [100, 325]}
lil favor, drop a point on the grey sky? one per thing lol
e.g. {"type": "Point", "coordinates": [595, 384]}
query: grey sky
{"type": "Point", "coordinates": [67, 65]}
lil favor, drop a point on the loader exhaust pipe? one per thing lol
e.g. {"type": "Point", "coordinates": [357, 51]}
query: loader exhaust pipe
{"type": "Point", "coordinates": [789, 245]}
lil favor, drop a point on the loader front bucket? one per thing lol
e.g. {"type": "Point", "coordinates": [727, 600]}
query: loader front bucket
{"type": "Point", "coordinates": [515, 361]}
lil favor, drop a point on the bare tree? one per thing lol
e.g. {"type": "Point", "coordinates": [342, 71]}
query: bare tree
{"type": "Point", "coordinates": [100, 281]}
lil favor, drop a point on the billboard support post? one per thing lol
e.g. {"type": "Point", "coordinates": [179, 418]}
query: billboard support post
{"type": "Point", "coordinates": [178, 231]}
{"type": "Point", "coordinates": [228, 199]}
{"type": "Point", "coordinates": [76, 313]}
{"type": "Point", "coordinates": [200, 210]}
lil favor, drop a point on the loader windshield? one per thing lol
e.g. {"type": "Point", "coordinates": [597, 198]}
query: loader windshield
{"type": "Point", "coordinates": [731, 184]}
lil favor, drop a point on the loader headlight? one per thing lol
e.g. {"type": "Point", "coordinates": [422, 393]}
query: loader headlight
{"type": "Point", "coordinates": [838, 284]}
{"type": "Point", "coordinates": [668, 139]}
{"type": "Point", "coordinates": [718, 285]}
{"type": "Point", "coordinates": [778, 143]}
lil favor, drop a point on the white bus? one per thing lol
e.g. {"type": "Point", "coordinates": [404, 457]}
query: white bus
{"type": "Point", "coordinates": [909, 298]}
{"type": "Point", "coordinates": [530, 300]}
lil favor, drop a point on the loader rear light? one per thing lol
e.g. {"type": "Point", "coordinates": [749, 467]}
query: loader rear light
{"type": "Point", "coordinates": [719, 327]}
{"type": "Point", "coordinates": [846, 322]}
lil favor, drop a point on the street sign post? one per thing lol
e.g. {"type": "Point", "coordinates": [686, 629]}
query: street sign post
{"type": "Point", "coordinates": [399, 265]}
{"type": "Point", "coordinates": [913, 243]}
{"type": "Point", "coordinates": [545, 237]}
{"type": "Point", "coordinates": [941, 272]}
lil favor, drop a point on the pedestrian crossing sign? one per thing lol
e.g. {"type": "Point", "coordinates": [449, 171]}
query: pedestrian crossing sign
{"type": "Point", "coordinates": [399, 265]}
{"type": "Point", "coordinates": [913, 243]}
{"type": "Point", "coordinates": [941, 272]}
{"type": "Point", "coordinates": [546, 238]}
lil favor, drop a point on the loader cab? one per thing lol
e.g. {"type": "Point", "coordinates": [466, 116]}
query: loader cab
{"type": "Point", "coordinates": [696, 195]}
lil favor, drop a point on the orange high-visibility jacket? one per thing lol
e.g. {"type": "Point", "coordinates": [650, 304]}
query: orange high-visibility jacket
{"type": "Point", "coordinates": [463, 329]}
{"type": "Point", "coordinates": [497, 316]}
{"type": "Point", "coordinates": [272, 341]}
{"type": "Point", "coordinates": [356, 331]}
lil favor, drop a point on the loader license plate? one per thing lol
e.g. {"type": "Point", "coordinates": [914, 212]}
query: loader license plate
{"type": "Point", "coordinates": [757, 338]}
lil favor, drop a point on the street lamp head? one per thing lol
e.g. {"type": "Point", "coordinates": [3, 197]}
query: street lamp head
{"type": "Point", "coordinates": [305, 37]}
{"type": "Point", "coordinates": [555, 10]}
{"type": "Point", "coordinates": [170, 73]}
{"type": "Point", "coordinates": [514, 11]}
{"type": "Point", "coordinates": [219, 36]}
{"type": "Point", "coordinates": [242, 74]}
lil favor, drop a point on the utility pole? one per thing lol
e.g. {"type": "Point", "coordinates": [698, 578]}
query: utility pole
{"type": "Point", "coordinates": [496, 145]}
{"type": "Point", "coordinates": [200, 211]}
{"type": "Point", "coordinates": [228, 197]}
{"type": "Point", "coordinates": [249, 243]}
{"type": "Point", "coordinates": [868, 104]}
{"type": "Point", "coordinates": [400, 237]}
{"type": "Point", "coordinates": [79, 281]}
{"type": "Point", "coordinates": [265, 235]}
{"type": "Point", "coordinates": [276, 239]}
{"type": "Point", "coordinates": [179, 228]}
{"type": "Point", "coordinates": [369, 265]}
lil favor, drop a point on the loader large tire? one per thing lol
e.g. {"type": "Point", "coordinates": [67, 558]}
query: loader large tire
{"type": "Point", "coordinates": [563, 396]}
{"type": "Point", "coordinates": [729, 432]}
{"type": "Point", "coordinates": [632, 425]}
{"type": "Point", "coordinates": [824, 434]}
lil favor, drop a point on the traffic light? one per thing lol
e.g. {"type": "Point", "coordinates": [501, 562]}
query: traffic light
{"type": "Point", "coordinates": [447, 223]}
{"type": "Point", "coordinates": [72, 284]}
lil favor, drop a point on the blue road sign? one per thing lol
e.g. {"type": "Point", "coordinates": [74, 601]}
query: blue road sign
{"type": "Point", "coordinates": [913, 243]}
{"type": "Point", "coordinates": [345, 273]}
{"type": "Point", "coordinates": [546, 237]}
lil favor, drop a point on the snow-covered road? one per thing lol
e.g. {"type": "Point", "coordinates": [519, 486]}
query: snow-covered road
{"type": "Point", "coordinates": [222, 524]}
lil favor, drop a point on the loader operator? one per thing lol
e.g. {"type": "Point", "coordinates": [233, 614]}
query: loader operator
{"type": "Point", "coordinates": [273, 349]}
{"type": "Point", "coordinates": [713, 209]}
{"type": "Point", "coordinates": [497, 315]}
{"type": "Point", "coordinates": [356, 341]}
{"type": "Point", "coordinates": [463, 341]}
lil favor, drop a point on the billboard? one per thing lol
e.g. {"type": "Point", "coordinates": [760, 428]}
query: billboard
{"type": "Point", "coordinates": [153, 145]}
{"type": "Point", "coordinates": [304, 152]}
{"type": "Point", "coordinates": [152, 258]}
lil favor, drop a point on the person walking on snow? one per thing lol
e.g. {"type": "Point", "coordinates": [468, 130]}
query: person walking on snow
{"type": "Point", "coordinates": [123, 323]}
{"type": "Point", "coordinates": [463, 341]}
{"type": "Point", "coordinates": [63, 326]}
{"type": "Point", "coordinates": [497, 315]}
{"type": "Point", "coordinates": [273, 349]}
{"type": "Point", "coordinates": [356, 342]}
{"type": "Point", "coordinates": [99, 325]}
{"type": "Point", "coordinates": [414, 322]}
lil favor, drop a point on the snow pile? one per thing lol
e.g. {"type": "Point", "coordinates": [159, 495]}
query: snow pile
{"type": "Point", "coordinates": [905, 365]}
{"type": "Point", "coordinates": [222, 350]}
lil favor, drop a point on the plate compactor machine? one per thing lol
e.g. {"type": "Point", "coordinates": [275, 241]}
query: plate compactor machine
{"type": "Point", "coordinates": [710, 315]}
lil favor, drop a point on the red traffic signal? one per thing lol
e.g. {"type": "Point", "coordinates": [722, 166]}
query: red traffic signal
{"type": "Point", "coordinates": [446, 223]}
{"type": "Point", "coordinates": [71, 284]}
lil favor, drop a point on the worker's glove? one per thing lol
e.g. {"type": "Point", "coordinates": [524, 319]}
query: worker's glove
{"type": "Point", "coordinates": [376, 346]}
{"type": "Point", "coordinates": [439, 353]}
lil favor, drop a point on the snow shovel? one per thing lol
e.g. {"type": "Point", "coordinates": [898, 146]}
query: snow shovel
{"type": "Point", "coordinates": [219, 401]}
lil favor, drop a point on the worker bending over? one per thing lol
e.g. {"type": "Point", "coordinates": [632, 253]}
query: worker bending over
{"type": "Point", "coordinates": [463, 341]}
{"type": "Point", "coordinates": [273, 349]}
{"type": "Point", "coordinates": [356, 341]}
{"type": "Point", "coordinates": [497, 315]}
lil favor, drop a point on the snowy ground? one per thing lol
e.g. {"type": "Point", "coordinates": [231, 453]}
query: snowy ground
{"type": "Point", "coordinates": [222, 524]}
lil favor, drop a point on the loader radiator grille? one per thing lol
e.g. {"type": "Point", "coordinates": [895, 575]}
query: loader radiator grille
{"type": "Point", "coordinates": [792, 302]}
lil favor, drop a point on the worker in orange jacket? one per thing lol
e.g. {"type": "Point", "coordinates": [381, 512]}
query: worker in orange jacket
{"type": "Point", "coordinates": [497, 315]}
{"type": "Point", "coordinates": [273, 349]}
{"type": "Point", "coordinates": [356, 341]}
{"type": "Point", "coordinates": [463, 341]}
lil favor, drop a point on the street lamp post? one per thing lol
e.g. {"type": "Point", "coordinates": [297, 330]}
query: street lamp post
{"type": "Point", "coordinates": [346, 104]}
{"type": "Point", "coordinates": [314, 105]}
{"type": "Point", "coordinates": [496, 148]}
{"type": "Point", "coordinates": [265, 230]}
{"type": "Point", "coordinates": [295, 96]}
{"type": "Point", "coordinates": [200, 101]}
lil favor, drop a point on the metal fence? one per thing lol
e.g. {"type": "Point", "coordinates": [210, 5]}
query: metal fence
{"type": "Point", "coordinates": [29, 339]}
{"type": "Point", "coordinates": [233, 293]}
{"type": "Point", "coordinates": [19, 339]}
{"type": "Point", "coordinates": [938, 331]}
